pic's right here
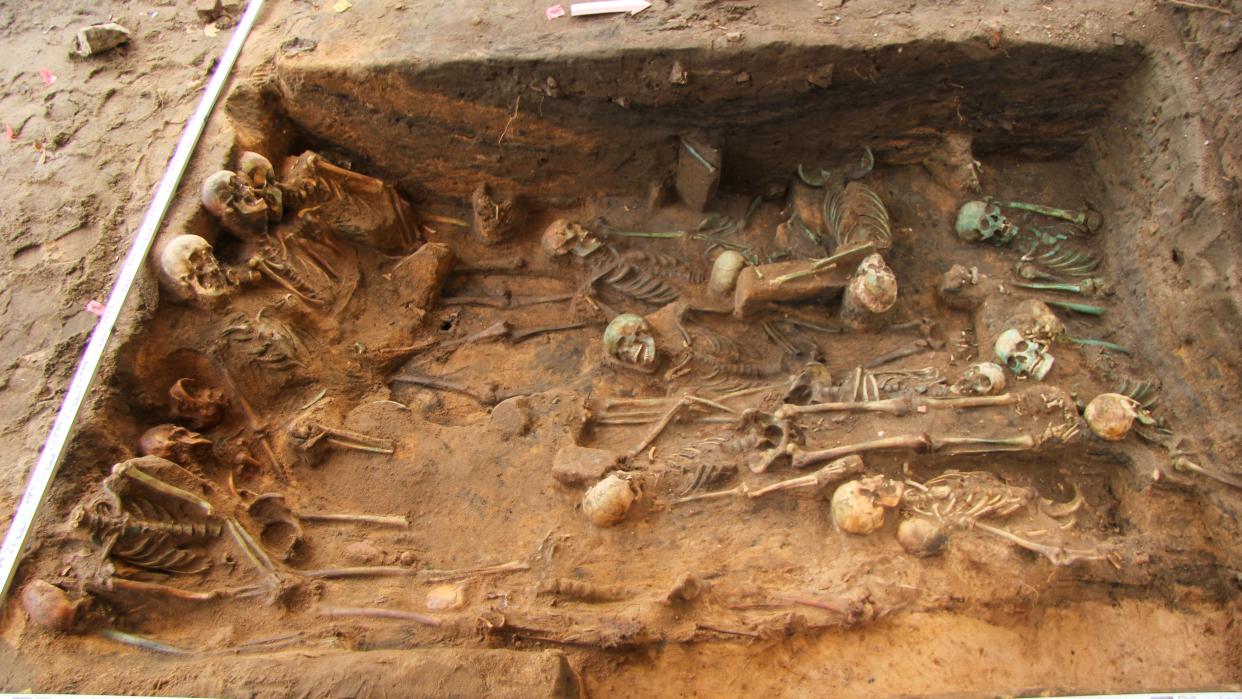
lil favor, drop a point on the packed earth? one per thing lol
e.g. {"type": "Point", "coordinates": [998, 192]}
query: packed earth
{"type": "Point", "coordinates": [721, 349]}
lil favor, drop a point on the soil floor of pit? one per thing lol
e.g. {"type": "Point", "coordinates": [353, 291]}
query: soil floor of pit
{"type": "Point", "coordinates": [82, 154]}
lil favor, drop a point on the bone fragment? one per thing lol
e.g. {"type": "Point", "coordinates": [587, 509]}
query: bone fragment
{"type": "Point", "coordinates": [899, 406]}
{"type": "Point", "coordinates": [448, 575]}
{"type": "Point", "coordinates": [356, 572]}
{"type": "Point", "coordinates": [380, 613]}
{"type": "Point", "coordinates": [382, 520]}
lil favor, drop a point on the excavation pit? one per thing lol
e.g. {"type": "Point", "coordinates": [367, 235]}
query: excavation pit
{"type": "Point", "coordinates": [407, 385]}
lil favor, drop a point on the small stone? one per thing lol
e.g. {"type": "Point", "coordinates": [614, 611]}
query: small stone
{"type": "Point", "coordinates": [363, 552]}
{"type": "Point", "coordinates": [742, 77]}
{"type": "Point", "coordinates": [1118, 40]}
{"type": "Point", "coordinates": [821, 77]}
{"type": "Point", "coordinates": [446, 596]}
{"type": "Point", "coordinates": [574, 465]}
{"type": "Point", "coordinates": [231, 6]}
{"type": "Point", "coordinates": [476, 20]}
{"type": "Point", "coordinates": [421, 276]}
{"type": "Point", "coordinates": [208, 10]}
{"type": "Point", "coordinates": [512, 417]}
{"type": "Point", "coordinates": [407, 558]}
{"type": "Point", "coordinates": [734, 37]}
{"type": "Point", "coordinates": [551, 88]}
{"type": "Point", "coordinates": [678, 74]}
{"type": "Point", "coordinates": [99, 38]}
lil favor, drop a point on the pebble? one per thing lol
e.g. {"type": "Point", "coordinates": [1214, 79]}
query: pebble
{"type": "Point", "coordinates": [363, 552]}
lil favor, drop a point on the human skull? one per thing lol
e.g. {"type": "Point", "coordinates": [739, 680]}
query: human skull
{"type": "Point", "coordinates": [608, 502]}
{"type": "Point", "coordinates": [874, 284]}
{"type": "Point", "coordinates": [564, 236]}
{"type": "Point", "coordinates": [979, 221]}
{"type": "Point", "coordinates": [199, 407]}
{"type": "Point", "coordinates": [189, 270]}
{"type": "Point", "coordinates": [256, 169]}
{"type": "Point", "coordinates": [258, 172]}
{"type": "Point", "coordinates": [871, 292]}
{"type": "Point", "coordinates": [725, 271]}
{"type": "Point", "coordinates": [981, 379]}
{"type": "Point", "coordinates": [241, 210]}
{"type": "Point", "coordinates": [1111, 415]}
{"type": "Point", "coordinates": [628, 343]}
{"type": "Point", "coordinates": [858, 506]}
{"type": "Point", "coordinates": [1024, 357]}
{"type": "Point", "coordinates": [175, 443]}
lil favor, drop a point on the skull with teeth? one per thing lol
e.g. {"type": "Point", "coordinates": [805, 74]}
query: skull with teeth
{"type": "Point", "coordinates": [628, 343]}
{"type": "Point", "coordinates": [258, 172]}
{"type": "Point", "coordinates": [176, 444]}
{"type": "Point", "coordinates": [979, 221]}
{"type": "Point", "coordinates": [240, 209]}
{"type": "Point", "coordinates": [189, 271]}
{"type": "Point", "coordinates": [981, 379]}
{"type": "Point", "coordinates": [565, 236]}
{"type": "Point", "coordinates": [1024, 357]}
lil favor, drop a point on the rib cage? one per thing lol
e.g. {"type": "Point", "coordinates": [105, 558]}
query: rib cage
{"type": "Point", "coordinates": [147, 536]}
{"type": "Point", "coordinates": [856, 215]}
{"type": "Point", "coordinates": [633, 281]}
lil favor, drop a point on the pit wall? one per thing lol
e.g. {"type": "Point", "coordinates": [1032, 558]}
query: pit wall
{"type": "Point", "coordinates": [607, 123]}
{"type": "Point", "coordinates": [1173, 248]}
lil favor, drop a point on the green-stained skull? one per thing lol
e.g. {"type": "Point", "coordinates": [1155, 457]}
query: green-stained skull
{"type": "Point", "coordinates": [628, 343]}
{"type": "Point", "coordinates": [979, 221]}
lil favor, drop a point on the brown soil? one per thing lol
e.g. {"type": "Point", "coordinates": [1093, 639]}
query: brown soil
{"type": "Point", "coordinates": [1126, 111]}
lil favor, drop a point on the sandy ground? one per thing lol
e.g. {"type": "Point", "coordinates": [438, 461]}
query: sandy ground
{"type": "Point", "coordinates": [86, 152]}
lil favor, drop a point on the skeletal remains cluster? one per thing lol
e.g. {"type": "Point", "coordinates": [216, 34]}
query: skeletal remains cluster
{"type": "Point", "coordinates": [197, 508]}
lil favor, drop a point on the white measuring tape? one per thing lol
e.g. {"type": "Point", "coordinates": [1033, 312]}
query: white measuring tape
{"type": "Point", "coordinates": [53, 449]}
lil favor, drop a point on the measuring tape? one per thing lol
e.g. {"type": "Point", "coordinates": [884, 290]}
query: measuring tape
{"type": "Point", "coordinates": [53, 449]}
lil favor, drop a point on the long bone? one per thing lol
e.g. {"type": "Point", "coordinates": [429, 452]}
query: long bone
{"type": "Point", "coordinates": [316, 431]}
{"type": "Point", "coordinates": [917, 347]}
{"type": "Point", "coordinates": [920, 442]}
{"type": "Point", "coordinates": [255, 426]}
{"type": "Point", "coordinates": [1057, 555]}
{"type": "Point", "coordinates": [128, 470]}
{"type": "Point", "coordinates": [899, 406]}
{"type": "Point", "coordinates": [267, 269]}
{"type": "Point", "coordinates": [253, 551]}
{"type": "Point", "coordinates": [381, 520]}
{"type": "Point", "coordinates": [487, 396]}
{"type": "Point", "coordinates": [119, 584]}
{"type": "Point", "coordinates": [508, 264]}
{"type": "Point", "coordinates": [834, 471]}
{"type": "Point", "coordinates": [1086, 219]}
{"type": "Point", "coordinates": [826, 263]}
{"type": "Point", "coordinates": [684, 402]}
{"type": "Point", "coordinates": [1090, 286]}
{"type": "Point", "coordinates": [503, 301]}
{"type": "Point", "coordinates": [503, 329]}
